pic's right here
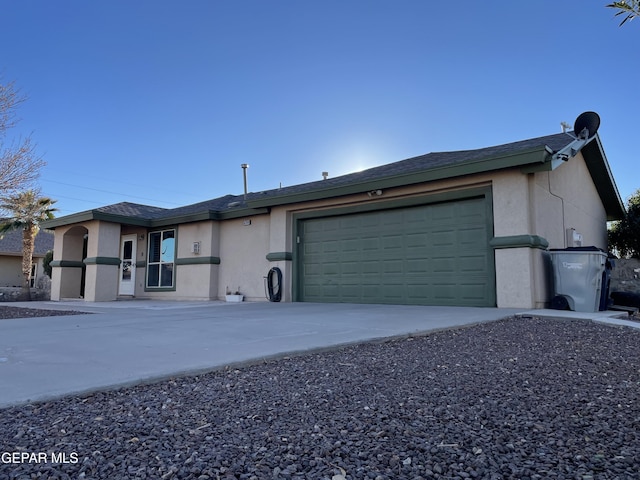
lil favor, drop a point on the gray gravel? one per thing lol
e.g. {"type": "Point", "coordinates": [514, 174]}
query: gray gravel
{"type": "Point", "coordinates": [515, 399]}
{"type": "Point", "coordinates": [20, 312]}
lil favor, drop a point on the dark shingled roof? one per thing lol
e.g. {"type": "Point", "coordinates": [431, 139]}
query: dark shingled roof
{"type": "Point", "coordinates": [133, 210]}
{"type": "Point", "coordinates": [11, 243]}
{"type": "Point", "coordinates": [430, 161]}
{"type": "Point", "coordinates": [423, 163]}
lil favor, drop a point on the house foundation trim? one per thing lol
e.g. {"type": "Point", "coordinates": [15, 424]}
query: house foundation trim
{"type": "Point", "coordinates": [279, 256]}
{"type": "Point", "coordinates": [198, 261]}
{"type": "Point", "coordinates": [519, 241]}
{"type": "Point", "coordinates": [102, 261]}
{"type": "Point", "coordinates": [67, 264]}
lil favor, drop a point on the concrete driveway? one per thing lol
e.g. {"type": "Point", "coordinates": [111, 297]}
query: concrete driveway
{"type": "Point", "coordinates": [128, 342]}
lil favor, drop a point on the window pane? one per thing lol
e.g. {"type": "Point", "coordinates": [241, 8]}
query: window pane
{"type": "Point", "coordinates": [168, 249]}
{"type": "Point", "coordinates": [154, 275]}
{"type": "Point", "coordinates": [126, 271]}
{"type": "Point", "coordinates": [167, 275]}
{"type": "Point", "coordinates": [127, 250]}
{"type": "Point", "coordinates": [154, 247]}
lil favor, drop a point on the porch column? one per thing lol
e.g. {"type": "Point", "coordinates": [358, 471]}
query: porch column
{"type": "Point", "coordinates": [102, 262]}
{"type": "Point", "coordinates": [67, 267]}
{"type": "Point", "coordinates": [521, 271]}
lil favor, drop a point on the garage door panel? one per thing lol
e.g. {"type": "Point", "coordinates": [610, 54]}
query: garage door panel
{"type": "Point", "coordinates": [430, 254]}
{"type": "Point", "coordinates": [443, 238]}
{"type": "Point", "coordinates": [472, 264]}
{"type": "Point", "coordinates": [392, 266]}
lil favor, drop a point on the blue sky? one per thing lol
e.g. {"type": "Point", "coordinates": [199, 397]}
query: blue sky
{"type": "Point", "coordinates": [159, 102]}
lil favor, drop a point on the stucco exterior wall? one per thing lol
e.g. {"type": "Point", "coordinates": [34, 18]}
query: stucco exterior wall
{"type": "Point", "coordinates": [11, 270]}
{"type": "Point", "coordinates": [68, 247]}
{"type": "Point", "coordinates": [198, 280]}
{"type": "Point", "coordinates": [281, 245]}
{"type": "Point", "coordinates": [103, 245]}
{"type": "Point", "coordinates": [243, 260]}
{"type": "Point", "coordinates": [567, 198]}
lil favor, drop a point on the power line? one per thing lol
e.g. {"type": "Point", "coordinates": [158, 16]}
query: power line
{"type": "Point", "coordinates": [111, 192]}
{"type": "Point", "coordinates": [120, 182]}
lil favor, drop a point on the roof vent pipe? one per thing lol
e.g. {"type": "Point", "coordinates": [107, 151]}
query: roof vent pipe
{"type": "Point", "coordinates": [325, 175]}
{"type": "Point", "coordinates": [244, 176]}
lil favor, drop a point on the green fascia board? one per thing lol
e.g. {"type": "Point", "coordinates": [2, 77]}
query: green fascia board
{"type": "Point", "coordinates": [90, 215]}
{"type": "Point", "coordinates": [198, 261]}
{"type": "Point", "coordinates": [67, 264]}
{"type": "Point", "coordinates": [152, 223]}
{"type": "Point", "coordinates": [534, 156]}
{"type": "Point", "coordinates": [425, 199]}
{"type": "Point", "coordinates": [600, 172]}
{"type": "Point", "coordinates": [279, 256]}
{"type": "Point", "coordinates": [102, 261]}
{"type": "Point", "coordinates": [519, 241]}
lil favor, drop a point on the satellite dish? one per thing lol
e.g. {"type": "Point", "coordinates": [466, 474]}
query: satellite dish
{"type": "Point", "coordinates": [586, 125]}
{"type": "Point", "coordinates": [585, 128]}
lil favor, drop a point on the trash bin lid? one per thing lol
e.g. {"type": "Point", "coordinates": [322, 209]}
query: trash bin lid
{"type": "Point", "coordinates": [578, 249]}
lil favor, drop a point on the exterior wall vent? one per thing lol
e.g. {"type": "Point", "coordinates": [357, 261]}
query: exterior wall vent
{"type": "Point", "coordinates": [195, 247]}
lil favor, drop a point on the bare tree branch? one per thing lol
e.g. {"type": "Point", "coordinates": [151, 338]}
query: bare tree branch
{"type": "Point", "coordinates": [19, 163]}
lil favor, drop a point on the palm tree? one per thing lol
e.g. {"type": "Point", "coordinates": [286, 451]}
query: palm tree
{"type": "Point", "coordinates": [630, 8]}
{"type": "Point", "coordinates": [27, 210]}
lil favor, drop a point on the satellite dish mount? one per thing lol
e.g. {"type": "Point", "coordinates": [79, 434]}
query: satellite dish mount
{"type": "Point", "coordinates": [585, 127]}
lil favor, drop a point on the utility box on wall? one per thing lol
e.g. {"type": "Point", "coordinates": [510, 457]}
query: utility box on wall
{"type": "Point", "coordinates": [574, 239]}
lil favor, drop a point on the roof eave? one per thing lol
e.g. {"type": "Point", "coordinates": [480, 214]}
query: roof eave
{"type": "Point", "coordinates": [90, 215]}
{"type": "Point", "coordinates": [152, 223]}
{"type": "Point", "coordinates": [600, 171]}
{"type": "Point", "coordinates": [537, 155]}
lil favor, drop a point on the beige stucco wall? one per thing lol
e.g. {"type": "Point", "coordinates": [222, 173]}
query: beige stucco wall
{"type": "Point", "coordinates": [11, 270]}
{"type": "Point", "coordinates": [67, 245]}
{"type": "Point", "coordinates": [101, 281]}
{"type": "Point", "coordinates": [281, 240]}
{"type": "Point", "coordinates": [200, 280]}
{"type": "Point", "coordinates": [543, 204]}
{"type": "Point", "coordinates": [567, 198]}
{"type": "Point", "coordinates": [243, 258]}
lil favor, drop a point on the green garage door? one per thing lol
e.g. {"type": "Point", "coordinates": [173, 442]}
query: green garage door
{"type": "Point", "coordinates": [436, 254]}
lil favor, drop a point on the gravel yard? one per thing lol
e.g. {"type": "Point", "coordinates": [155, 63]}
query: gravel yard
{"type": "Point", "coordinates": [19, 312]}
{"type": "Point", "coordinates": [514, 399]}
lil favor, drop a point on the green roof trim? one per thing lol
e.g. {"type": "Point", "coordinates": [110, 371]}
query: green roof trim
{"type": "Point", "coordinates": [533, 156]}
{"type": "Point", "coordinates": [600, 172]}
{"type": "Point", "coordinates": [279, 256]}
{"type": "Point", "coordinates": [66, 264]}
{"type": "Point", "coordinates": [519, 241]}
{"type": "Point", "coordinates": [102, 261]}
{"type": "Point", "coordinates": [198, 261]}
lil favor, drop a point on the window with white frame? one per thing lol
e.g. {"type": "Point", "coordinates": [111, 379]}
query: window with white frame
{"type": "Point", "coordinates": [161, 259]}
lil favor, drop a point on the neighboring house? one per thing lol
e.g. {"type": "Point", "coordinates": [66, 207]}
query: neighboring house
{"type": "Point", "coordinates": [452, 228]}
{"type": "Point", "coordinates": [11, 257]}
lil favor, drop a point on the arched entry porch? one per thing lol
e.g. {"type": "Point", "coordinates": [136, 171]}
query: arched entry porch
{"type": "Point", "coordinates": [86, 262]}
{"type": "Point", "coordinates": [68, 270]}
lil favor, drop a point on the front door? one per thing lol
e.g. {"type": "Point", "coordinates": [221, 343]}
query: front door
{"type": "Point", "coordinates": [127, 265]}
